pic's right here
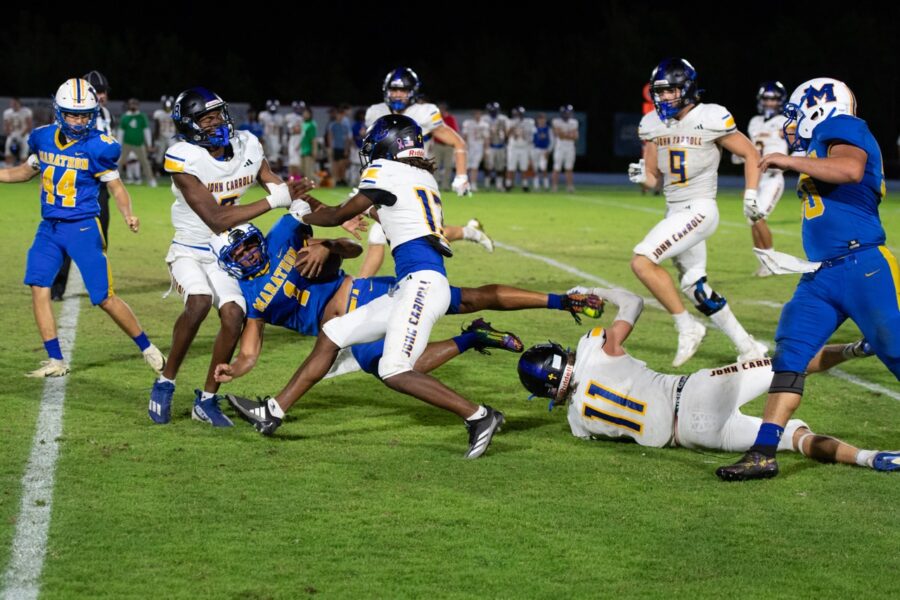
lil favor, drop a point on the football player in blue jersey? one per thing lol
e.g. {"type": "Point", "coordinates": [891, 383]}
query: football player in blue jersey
{"type": "Point", "coordinates": [73, 158]}
{"type": "Point", "coordinates": [841, 185]}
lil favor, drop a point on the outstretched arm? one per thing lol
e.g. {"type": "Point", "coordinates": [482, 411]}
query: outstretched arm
{"type": "Point", "coordinates": [331, 216]}
{"type": "Point", "coordinates": [19, 173]}
{"type": "Point", "coordinates": [844, 164]}
{"type": "Point", "coordinates": [251, 346]}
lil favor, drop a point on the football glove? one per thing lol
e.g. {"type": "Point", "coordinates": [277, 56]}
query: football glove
{"type": "Point", "coordinates": [751, 208]}
{"type": "Point", "coordinates": [460, 185]}
{"type": "Point", "coordinates": [636, 172]}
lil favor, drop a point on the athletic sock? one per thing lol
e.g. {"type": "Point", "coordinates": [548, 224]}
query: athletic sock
{"type": "Point", "coordinates": [478, 414]}
{"type": "Point", "coordinates": [767, 439]}
{"type": "Point", "coordinates": [164, 379]}
{"type": "Point", "coordinates": [555, 301]}
{"type": "Point", "coordinates": [53, 349]}
{"type": "Point", "coordinates": [274, 408]}
{"type": "Point", "coordinates": [683, 320]}
{"type": "Point", "coordinates": [729, 325]}
{"type": "Point", "coordinates": [206, 396]}
{"type": "Point", "coordinates": [865, 458]}
{"type": "Point", "coordinates": [141, 340]}
{"type": "Point", "coordinates": [465, 341]}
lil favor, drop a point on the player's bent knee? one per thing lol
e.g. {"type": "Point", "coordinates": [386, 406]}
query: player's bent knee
{"type": "Point", "coordinates": [790, 382]}
{"type": "Point", "coordinates": [705, 298]}
{"type": "Point", "coordinates": [391, 368]}
{"type": "Point", "coordinates": [641, 262]}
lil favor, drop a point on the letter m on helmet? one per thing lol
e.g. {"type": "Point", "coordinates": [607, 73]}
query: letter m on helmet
{"type": "Point", "coordinates": [813, 95]}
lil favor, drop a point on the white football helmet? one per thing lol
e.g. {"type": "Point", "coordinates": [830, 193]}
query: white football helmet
{"type": "Point", "coordinates": [813, 102]}
{"type": "Point", "coordinates": [79, 97]}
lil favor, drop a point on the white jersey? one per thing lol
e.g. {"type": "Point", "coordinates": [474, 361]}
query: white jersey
{"type": "Point", "coordinates": [768, 136]}
{"type": "Point", "coordinates": [226, 179]}
{"type": "Point", "coordinates": [294, 124]}
{"type": "Point", "coordinates": [563, 127]}
{"type": "Point", "coordinates": [413, 209]}
{"type": "Point", "coordinates": [475, 132]}
{"type": "Point", "coordinates": [687, 153]}
{"type": "Point", "coordinates": [520, 133]}
{"type": "Point", "coordinates": [17, 120]}
{"type": "Point", "coordinates": [428, 116]}
{"type": "Point", "coordinates": [272, 123]}
{"type": "Point", "coordinates": [497, 128]}
{"type": "Point", "coordinates": [166, 125]}
{"type": "Point", "coordinates": [619, 396]}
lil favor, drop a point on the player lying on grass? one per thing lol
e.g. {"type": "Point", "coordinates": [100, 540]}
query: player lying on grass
{"type": "Point", "coordinates": [613, 395]}
{"type": "Point", "coordinates": [293, 280]}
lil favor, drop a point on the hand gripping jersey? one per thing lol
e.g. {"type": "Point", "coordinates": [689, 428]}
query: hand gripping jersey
{"type": "Point", "coordinates": [687, 154]}
{"type": "Point", "coordinates": [619, 396]}
{"type": "Point", "coordinates": [71, 172]}
{"type": "Point", "coordinates": [281, 296]}
{"type": "Point", "coordinates": [410, 211]}
{"type": "Point", "coordinates": [227, 180]}
{"type": "Point", "coordinates": [428, 117]}
{"type": "Point", "coordinates": [838, 219]}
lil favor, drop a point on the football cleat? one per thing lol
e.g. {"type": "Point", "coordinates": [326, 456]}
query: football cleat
{"type": "Point", "coordinates": [689, 342]}
{"type": "Point", "coordinates": [160, 408]}
{"type": "Point", "coordinates": [155, 359]}
{"type": "Point", "coordinates": [481, 237]}
{"type": "Point", "coordinates": [755, 350]}
{"type": "Point", "coordinates": [488, 337]}
{"type": "Point", "coordinates": [208, 411]}
{"type": "Point", "coordinates": [255, 412]}
{"type": "Point", "coordinates": [886, 461]}
{"type": "Point", "coordinates": [52, 367]}
{"type": "Point", "coordinates": [763, 271]}
{"type": "Point", "coordinates": [753, 465]}
{"type": "Point", "coordinates": [482, 430]}
{"type": "Point", "coordinates": [589, 305]}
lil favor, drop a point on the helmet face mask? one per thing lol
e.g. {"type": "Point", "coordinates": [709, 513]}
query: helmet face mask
{"type": "Point", "coordinates": [76, 97]}
{"type": "Point", "coordinates": [673, 86]}
{"type": "Point", "coordinates": [812, 103]}
{"type": "Point", "coordinates": [770, 99]}
{"type": "Point", "coordinates": [546, 371]}
{"type": "Point", "coordinates": [401, 89]}
{"type": "Point", "coordinates": [392, 137]}
{"type": "Point", "coordinates": [189, 111]}
{"type": "Point", "coordinates": [242, 251]}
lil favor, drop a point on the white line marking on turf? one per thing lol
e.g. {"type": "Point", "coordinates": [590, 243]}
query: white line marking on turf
{"type": "Point", "coordinates": [874, 387]}
{"type": "Point", "coordinates": [22, 578]}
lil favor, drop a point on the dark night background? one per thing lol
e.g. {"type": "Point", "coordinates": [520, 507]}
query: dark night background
{"type": "Point", "coordinates": [599, 62]}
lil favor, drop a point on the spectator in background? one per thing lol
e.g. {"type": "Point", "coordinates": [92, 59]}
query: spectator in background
{"type": "Point", "coordinates": [338, 140]}
{"type": "Point", "coordinates": [252, 125]}
{"type": "Point", "coordinates": [309, 146]}
{"type": "Point", "coordinates": [520, 136]}
{"type": "Point", "coordinates": [163, 131]}
{"type": "Point", "coordinates": [273, 126]}
{"type": "Point", "coordinates": [543, 141]}
{"type": "Point", "coordinates": [17, 124]}
{"type": "Point", "coordinates": [358, 132]}
{"type": "Point", "coordinates": [444, 158]}
{"type": "Point", "coordinates": [495, 156]}
{"type": "Point", "coordinates": [475, 131]}
{"type": "Point", "coordinates": [293, 123]}
{"type": "Point", "coordinates": [134, 133]}
{"type": "Point", "coordinates": [565, 130]}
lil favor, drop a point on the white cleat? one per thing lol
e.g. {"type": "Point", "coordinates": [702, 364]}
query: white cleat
{"type": "Point", "coordinates": [481, 237]}
{"type": "Point", "coordinates": [50, 368]}
{"type": "Point", "coordinates": [763, 271]}
{"type": "Point", "coordinates": [756, 350]}
{"type": "Point", "coordinates": [688, 343]}
{"type": "Point", "coordinates": [155, 359]}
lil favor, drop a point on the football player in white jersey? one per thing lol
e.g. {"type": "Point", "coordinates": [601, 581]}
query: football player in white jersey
{"type": "Point", "coordinates": [398, 181]}
{"type": "Point", "coordinates": [612, 395]}
{"type": "Point", "coordinates": [401, 92]}
{"type": "Point", "coordinates": [766, 132]}
{"type": "Point", "coordinates": [684, 141]}
{"type": "Point", "coordinates": [273, 127]}
{"type": "Point", "coordinates": [17, 124]}
{"type": "Point", "coordinates": [475, 131]}
{"type": "Point", "coordinates": [293, 123]}
{"type": "Point", "coordinates": [565, 130]}
{"type": "Point", "coordinates": [520, 143]}
{"type": "Point", "coordinates": [211, 167]}
{"type": "Point", "coordinates": [163, 130]}
{"type": "Point", "coordinates": [495, 153]}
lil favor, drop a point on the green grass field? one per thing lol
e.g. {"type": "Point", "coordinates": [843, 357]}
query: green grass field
{"type": "Point", "coordinates": [364, 493]}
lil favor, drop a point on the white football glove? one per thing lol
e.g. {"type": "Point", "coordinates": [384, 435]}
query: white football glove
{"type": "Point", "coordinates": [636, 172]}
{"type": "Point", "coordinates": [751, 208]}
{"type": "Point", "coordinates": [279, 195]}
{"type": "Point", "coordinates": [460, 185]}
{"type": "Point", "coordinates": [299, 208]}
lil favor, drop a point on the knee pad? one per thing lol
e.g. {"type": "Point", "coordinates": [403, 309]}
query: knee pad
{"type": "Point", "coordinates": [787, 381]}
{"type": "Point", "coordinates": [706, 299]}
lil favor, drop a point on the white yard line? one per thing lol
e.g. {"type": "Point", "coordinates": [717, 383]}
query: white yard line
{"type": "Point", "coordinates": [22, 578]}
{"type": "Point", "coordinates": [874, 387]}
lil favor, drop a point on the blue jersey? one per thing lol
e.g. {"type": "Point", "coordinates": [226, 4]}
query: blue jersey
{"type": "Point", "coordinates": [281, 296]}
{"type": "Point", "coordinates": [840, 219]}
{"type": "Point", "coordinates": [71, 171]}
{"type": "Point", "coordinates": [542, 138]}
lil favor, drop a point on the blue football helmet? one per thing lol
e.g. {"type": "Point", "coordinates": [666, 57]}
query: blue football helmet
{"type": "Point", "coordinates": [673, 73]}
{"type": "Point", "coordinates": [813, 102]}
{"type": "Point", "coordinates": [401, 78]}
{"type": "Point", "coordinates": [770, 90]}
{"type": "Point", "coordinates": [190, 106]}
{"type": "Point", "coordinates": [241, 251]}
{"type": "Point", "coordinates": [76, 97]}
{"type": "Point", "coordinates": [392, 137]}
{"type": "Point", "coordinates": [546, 371]}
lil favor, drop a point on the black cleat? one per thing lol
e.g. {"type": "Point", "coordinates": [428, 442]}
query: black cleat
{"type": "Point", "coordinates": [753, 465]}
{"type": "Point", "coordinates": [255, 412]}
{"type": "Point", "coordinates": [482, 430]}
{"type": "Point", "coordinates": [488, 337]}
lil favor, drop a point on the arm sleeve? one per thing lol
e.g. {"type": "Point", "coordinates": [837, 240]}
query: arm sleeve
{"type": "Point", "coordinates": [378, 196]}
